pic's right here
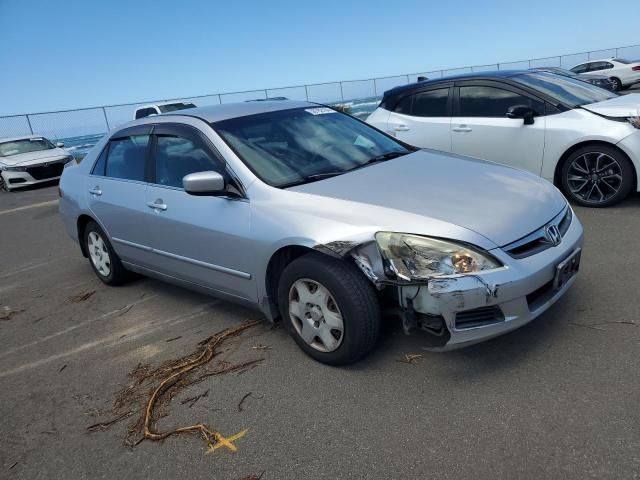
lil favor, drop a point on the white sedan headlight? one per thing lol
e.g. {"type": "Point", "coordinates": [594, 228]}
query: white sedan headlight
{"type": "Point", "coordinates": [413, 257]}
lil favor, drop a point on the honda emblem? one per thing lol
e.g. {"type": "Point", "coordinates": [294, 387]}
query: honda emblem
{"type": "Point", "coordinates": [553, 235]}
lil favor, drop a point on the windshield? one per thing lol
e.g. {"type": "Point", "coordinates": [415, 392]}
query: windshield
{"type": "Point", "coordinates": [172, 107]}
{"type": "Point", "coordinates": [16, 147]}
{"type": "Point", "coordinates": [290, 147]}
{"type": "Point", "coordinates": [566, 90]}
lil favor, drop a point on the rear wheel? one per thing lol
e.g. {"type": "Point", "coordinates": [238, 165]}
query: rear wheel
{"type": "Point", "coordinates": [597, 176]}
{"type": "Point", "coordinates": [616, 84]}
{"type": "Point", "coordinates": [331, 310]}
{"type": "Point", "coordinates": [104, 261]}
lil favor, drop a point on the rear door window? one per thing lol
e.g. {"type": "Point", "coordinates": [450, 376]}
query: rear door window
{"type": "Point", "coordinates": [127, 158]}
{"type": "Point", "coordinates": [485, 101]}
{"type": "Point", "coordinates": [430, 103]}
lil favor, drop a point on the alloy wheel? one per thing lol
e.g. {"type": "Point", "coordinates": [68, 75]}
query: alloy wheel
{"type": "Point", "coordinates": [99, 254]}
{"type": "Point", "coordinates": [315, 315]}
{"type": "Point", "coordinates": [594, 177]}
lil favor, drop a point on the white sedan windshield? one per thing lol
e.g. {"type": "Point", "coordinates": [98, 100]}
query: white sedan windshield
{"type": "Point", "coordinates": [17, 147]}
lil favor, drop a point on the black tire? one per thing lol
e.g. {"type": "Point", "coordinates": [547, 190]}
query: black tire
{"type": "Point", "coordinates": [117, 274]}
{"type": "Point", "coordinates": [354, 295]}
{"type": "Point", "coordinates": [625, 171]}
{"type": "Point", "coordinates": [616, 84]}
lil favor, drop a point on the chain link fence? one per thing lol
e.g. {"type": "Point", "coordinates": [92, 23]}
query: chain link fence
{"type": "Point", "coordinates": [80, 129]}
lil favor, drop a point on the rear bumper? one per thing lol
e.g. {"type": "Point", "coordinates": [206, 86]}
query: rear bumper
{"type": "Point", "coordinates": [517, 293]}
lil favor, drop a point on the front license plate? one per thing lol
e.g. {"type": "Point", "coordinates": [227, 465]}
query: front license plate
{"type": "Point", "coordinates": [567, 269]}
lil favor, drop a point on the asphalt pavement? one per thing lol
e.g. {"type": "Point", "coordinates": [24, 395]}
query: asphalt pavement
{"type": "Point", "coordinates": [556, 399]}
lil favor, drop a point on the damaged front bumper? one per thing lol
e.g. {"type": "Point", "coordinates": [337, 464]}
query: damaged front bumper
{"type": "Point", "coordinates": [465, 309]}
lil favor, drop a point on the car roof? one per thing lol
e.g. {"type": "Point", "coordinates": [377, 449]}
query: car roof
{"type": "Point", "coordinates": [160, 104]}
{"type": "Point", "coordinates": [225, 111]}
{"type": "Point", "coordinates": [461, 76]}
{"type": "Point", "coordinates": [22, 137]}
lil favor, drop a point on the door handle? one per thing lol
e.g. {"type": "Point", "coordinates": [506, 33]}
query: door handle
{"type": "Point", "coordinates": [462, 128]}
{"type": "Point", "coordinates": [96, 191]}
{"type": "Point", "coordinates": [401, 128]}
{"type": "Point", "coordinates": [157, 205]}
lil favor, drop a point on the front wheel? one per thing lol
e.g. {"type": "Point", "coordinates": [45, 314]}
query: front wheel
{"type": "Point", "coordinates": [331, 310]}
{"type": "Point", "coordinates": [597, 176]}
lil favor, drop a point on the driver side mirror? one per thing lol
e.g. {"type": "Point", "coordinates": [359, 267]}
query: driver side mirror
{"type": "Point", "coordinates": [521, 111]}
{"type": "Point", "coordinates": [59, 144]}
{"type": "Point", "coordinates": [204, 184]}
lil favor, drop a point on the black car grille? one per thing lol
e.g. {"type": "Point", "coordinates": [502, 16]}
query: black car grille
{"type": "Point", "coordinates": [479, 317]}
{"type": "Point", "coordinates": [42, 172]}
{"type": "Point", "coordinates": [537, 241]}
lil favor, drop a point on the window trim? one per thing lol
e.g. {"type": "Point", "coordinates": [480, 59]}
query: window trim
{"type": "Point", "coordinates": [495, 84]}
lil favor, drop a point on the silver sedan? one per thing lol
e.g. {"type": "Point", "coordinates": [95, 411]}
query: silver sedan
{"type": "Point", "coordinates": [322, 221]}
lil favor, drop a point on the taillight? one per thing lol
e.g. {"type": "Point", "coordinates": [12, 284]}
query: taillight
{"type": "Point", "coordinates": [636, 68]}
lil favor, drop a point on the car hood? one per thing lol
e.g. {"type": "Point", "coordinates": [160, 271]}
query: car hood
{"type": "Point", "coordinates": [622, 106]}
{"type": "Point", "coordinates": [500, 203]}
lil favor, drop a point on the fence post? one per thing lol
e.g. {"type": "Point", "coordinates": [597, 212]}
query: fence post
{"type": "Point", "coordinates": [375, 88]}
{"type": "Point", "coordinates": [341, 92]}
{"type": "Point", "coordinates": [106, 120]}
{"type": "Point", "coordinates": [29, 122]}
{"type": "Point", "coordinates": [498, 65]}
{"type": "Point", "coordinates": [616, 52]}
{"type": "Point", "coordinates": [266, 95]}
{"type": "Point", "coordinates": [408, 81]}
{"type": "Point", "coordinates": [219, 99]}
{"type": "Point", "coordinates": [589, 55]}
{"type": "Point", "coordinates": [306, 92]}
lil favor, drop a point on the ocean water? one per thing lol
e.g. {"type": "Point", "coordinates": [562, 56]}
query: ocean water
{"type": "Point", "coordinates": [80, 146]}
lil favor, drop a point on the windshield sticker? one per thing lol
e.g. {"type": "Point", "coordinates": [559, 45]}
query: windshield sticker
{"type": "Point", "coordinates": [319, 110]}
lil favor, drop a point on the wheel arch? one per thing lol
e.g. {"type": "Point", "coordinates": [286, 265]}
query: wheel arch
{"type": "Point", "coordinates": [81, 224]}
{"type": "Point", "coordinates": [557, 181]}
{"type": "Point", "coordinates": [276, 265]}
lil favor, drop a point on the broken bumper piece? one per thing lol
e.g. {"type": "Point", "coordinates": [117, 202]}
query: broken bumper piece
{"type": "Point", "coordinates": [467, 309]}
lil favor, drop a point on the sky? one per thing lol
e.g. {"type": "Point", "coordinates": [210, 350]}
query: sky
{"type": "Point", "coordinates": [59, 54]}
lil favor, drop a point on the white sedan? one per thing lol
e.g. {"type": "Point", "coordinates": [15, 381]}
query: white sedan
{"type": "Point", "coordinates": [583, 138]}
{"type": "Point", "coordinates": [623, 73]}
{"type": "Point", "coordinates": [30, 160]}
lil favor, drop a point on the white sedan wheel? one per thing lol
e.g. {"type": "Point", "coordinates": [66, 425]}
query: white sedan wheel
{"type": "Point", "coordinates": [315, 315]}
{"type": "Point", "coordinates": [99, 254]}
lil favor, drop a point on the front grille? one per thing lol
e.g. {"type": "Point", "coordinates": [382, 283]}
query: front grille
{"type": "Point", "coordinates": [537, 241]}
{"type": "Point", "coordinates": [49, 171]}
{"type": "Point", "coordinates": [479, 317]}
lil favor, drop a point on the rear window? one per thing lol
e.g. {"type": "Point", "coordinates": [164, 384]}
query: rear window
{"type": "Point", "coordinates": [172, 107]}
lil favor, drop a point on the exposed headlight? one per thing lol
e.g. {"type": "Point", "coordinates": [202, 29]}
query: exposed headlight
{"type": "Point", "coordinates": [413, 257]}
{"type": "Point", "coordinates": [635, 121]}
{"type": "Point", "coordinates": [14, 169]}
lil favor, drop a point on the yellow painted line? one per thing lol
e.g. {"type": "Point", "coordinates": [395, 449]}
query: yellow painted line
{"type": "Point", "coordinates": [28, 207]}
{"type": "Point", "coordinates": [227, 442]}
